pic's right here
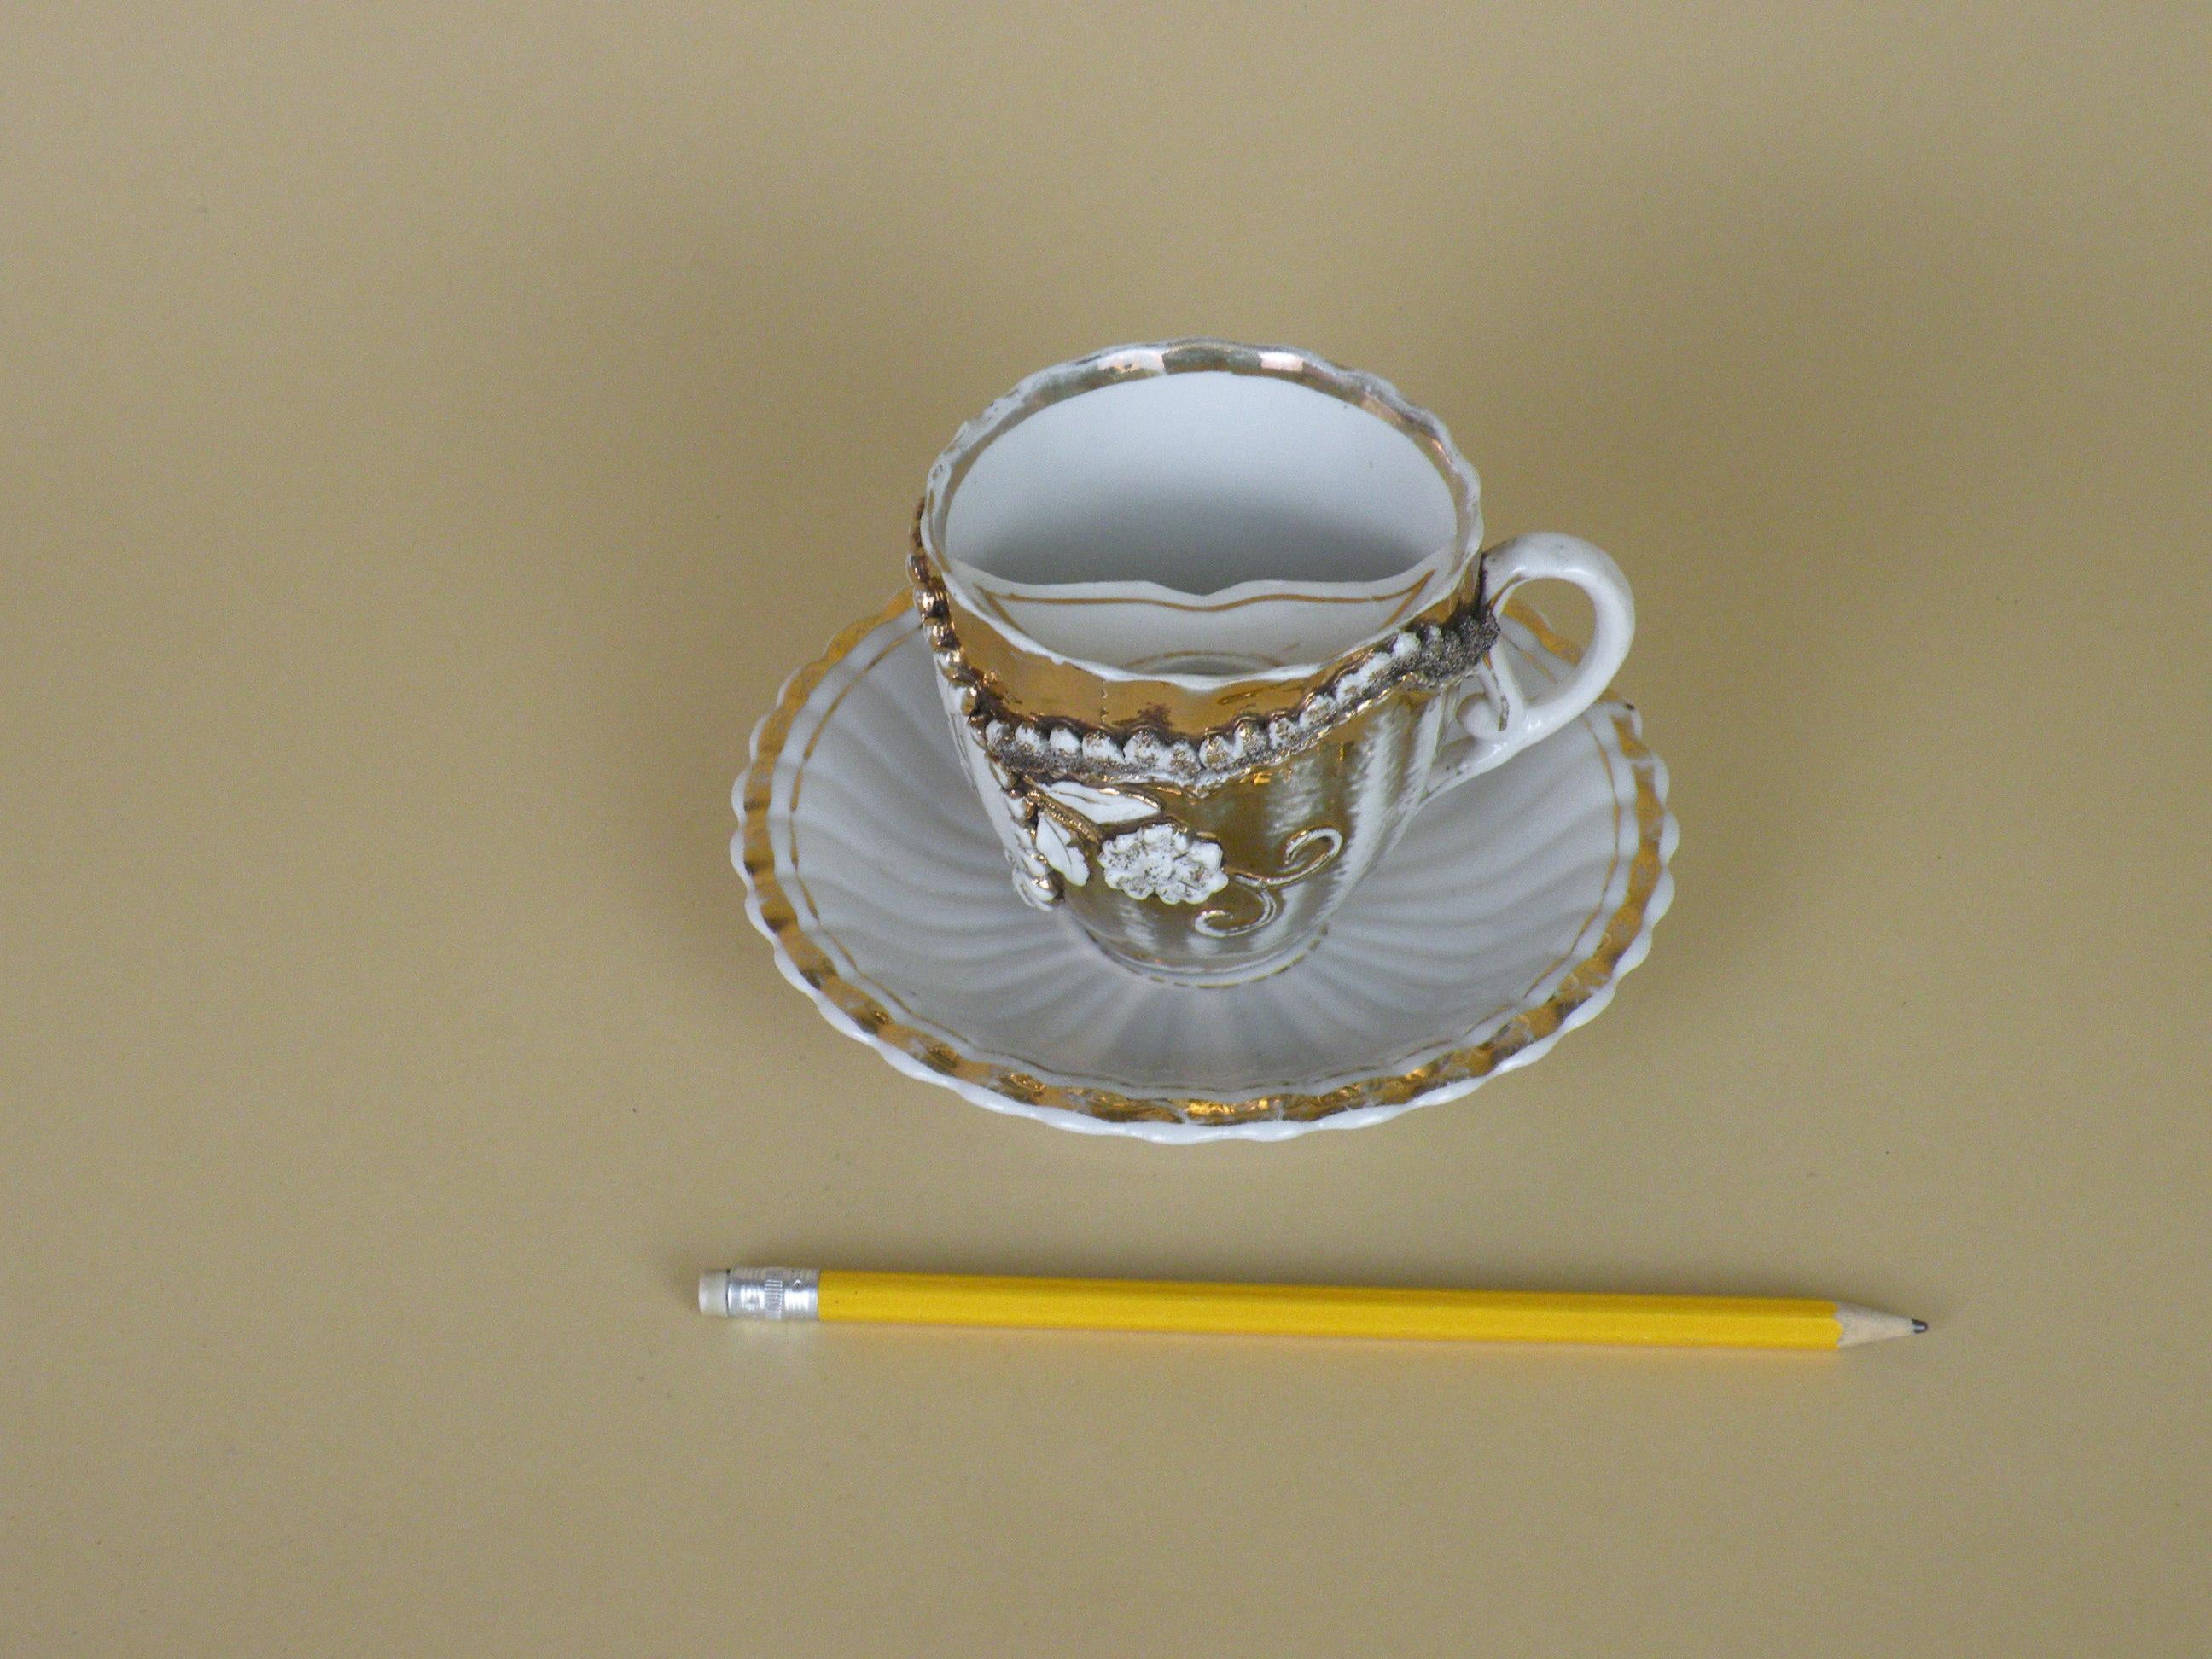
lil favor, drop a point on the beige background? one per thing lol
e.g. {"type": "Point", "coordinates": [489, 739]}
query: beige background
{"type": "Point", "coordinates": [427, 436]}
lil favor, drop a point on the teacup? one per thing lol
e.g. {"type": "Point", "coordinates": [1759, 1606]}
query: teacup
{"type": "Point", "coordinates": [1212, 621]}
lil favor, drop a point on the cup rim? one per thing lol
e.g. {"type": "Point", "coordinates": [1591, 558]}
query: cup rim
{"type": "Point", "coordinates": [1200, 354]}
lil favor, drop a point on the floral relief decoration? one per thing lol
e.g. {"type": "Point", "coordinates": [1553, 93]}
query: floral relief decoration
{"type": "Point", "coordinates": [1143, 852]}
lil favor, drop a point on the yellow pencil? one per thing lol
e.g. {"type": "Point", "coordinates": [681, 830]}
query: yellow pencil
{"type": "Point", "coordinates": [1114, 1304]}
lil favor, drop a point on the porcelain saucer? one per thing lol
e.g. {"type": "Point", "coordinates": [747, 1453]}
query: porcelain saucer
{"type": "Point", "coordinates": [1503, 919]}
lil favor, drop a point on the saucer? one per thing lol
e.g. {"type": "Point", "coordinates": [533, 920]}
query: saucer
{"type": "Point", "coordinates": [1503, 919]}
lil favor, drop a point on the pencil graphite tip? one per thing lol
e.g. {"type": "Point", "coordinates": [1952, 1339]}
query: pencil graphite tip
{"type": "Point", "coordinates": [1857, 1325]}
{"type": "Point", "coordinates": [1920, 1328]}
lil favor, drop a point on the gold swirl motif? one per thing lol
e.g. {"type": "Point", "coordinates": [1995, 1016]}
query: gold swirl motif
{"type": "Point", "coordinates": [857, 1010]}
{"type": "Point", "coordinates": [1218, 923]}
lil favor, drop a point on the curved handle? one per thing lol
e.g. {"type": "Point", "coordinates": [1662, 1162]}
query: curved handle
{"type": "Point", "coordinates": [1497, 721]}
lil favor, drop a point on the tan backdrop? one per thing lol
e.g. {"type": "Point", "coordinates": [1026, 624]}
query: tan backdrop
{"type": "Point", "coordinates": [428, 435]}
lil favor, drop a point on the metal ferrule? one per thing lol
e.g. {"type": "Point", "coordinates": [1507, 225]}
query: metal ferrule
{"type": "Point", "coordinates": [761, 1293]}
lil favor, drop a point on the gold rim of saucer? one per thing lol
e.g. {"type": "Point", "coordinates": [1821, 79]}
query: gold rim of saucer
{"type": "Point", "coordinates": [1583, 978]}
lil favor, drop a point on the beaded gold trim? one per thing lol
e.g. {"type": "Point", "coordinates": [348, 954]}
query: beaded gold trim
{"type": "Point", "coordinates": [1425, 656]}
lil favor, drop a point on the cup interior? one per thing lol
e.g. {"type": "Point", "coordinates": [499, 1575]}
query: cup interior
{"type": "Point", "coordinates": [1198, 483]}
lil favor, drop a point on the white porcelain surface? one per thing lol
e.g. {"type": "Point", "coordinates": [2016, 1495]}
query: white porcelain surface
{"type": "Point", "coordinates": [1171, 503]}
{"type": "Point", "coordinates": [1504, 918]}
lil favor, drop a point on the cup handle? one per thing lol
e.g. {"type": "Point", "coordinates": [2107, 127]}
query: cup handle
{"type": "Point", "coordinates": [1494, 720]}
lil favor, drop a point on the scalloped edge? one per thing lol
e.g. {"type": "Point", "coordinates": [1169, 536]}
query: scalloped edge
{"type": "Point", "coordinates": [1660, 900]}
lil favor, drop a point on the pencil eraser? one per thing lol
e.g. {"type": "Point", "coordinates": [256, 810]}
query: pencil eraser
{"type": "Point", "coordinates": [714, 1292]}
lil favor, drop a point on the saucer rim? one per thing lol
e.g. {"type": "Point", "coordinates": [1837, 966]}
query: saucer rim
{"type": "Point", "coordinates": [1572, 995]}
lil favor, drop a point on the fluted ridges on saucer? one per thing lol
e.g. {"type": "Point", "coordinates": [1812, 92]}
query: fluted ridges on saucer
{"type": "Point", "coordinates": [1496, 892]}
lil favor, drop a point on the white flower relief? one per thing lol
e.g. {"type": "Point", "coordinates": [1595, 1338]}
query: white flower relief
{"type": "Point", "coordinates": [1163, 860]}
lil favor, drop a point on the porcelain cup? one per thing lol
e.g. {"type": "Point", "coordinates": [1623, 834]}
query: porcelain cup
{"type": "Point", "coordinates": [1210, 622]}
